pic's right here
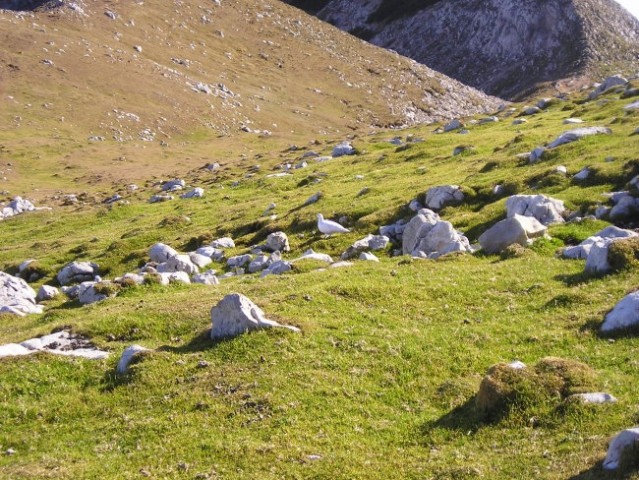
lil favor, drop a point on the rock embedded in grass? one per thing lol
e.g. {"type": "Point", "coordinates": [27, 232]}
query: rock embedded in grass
{"type": "Point", "coordinates": [369, 242]}
{"type": "Point", "coordinates": [77, 272]}
{"type": "Point", "coordinates": [442, 196]}
{"type": "Point", "coordinates": [545, 209]}
{"type": "Point", "coordinates": [622, 449]}
{"type": "Point", "coordinates": [236, 314]}
{"type": "Point", "coordinates": [624, 316]}
{"type": "Point", "coordinates": [47, 292]}
{"type": "Point", "coordinates": [128, 356]}
{"type": "Point", "coordinates": [16, 296]}
{"type": "Point", "coordinates": [577, 134]}
{"type": "Point", "coordinates": [426, 235]}
{"type": "Point", "coordinates": [514, 230]}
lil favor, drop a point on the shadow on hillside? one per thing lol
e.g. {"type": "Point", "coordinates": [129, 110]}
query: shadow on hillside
{"type": "Point", "coordinates": [463, 419]}
{"type": "Point", "coordinates": [598, 473]}
{"type": "Point", "coordinates": [575, 279]}
{"type": "Point", "coordinates": [201, 342]}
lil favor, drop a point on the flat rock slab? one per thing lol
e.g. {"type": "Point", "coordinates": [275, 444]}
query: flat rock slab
{"type": "Point", "coordinates": [578, 133]}
{"type": "Point", "coordinates": [60, 343]}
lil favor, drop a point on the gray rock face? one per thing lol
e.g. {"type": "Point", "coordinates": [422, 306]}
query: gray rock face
{"type": "Point", "coordinates": [608, 83]}
{"type": "Point", "coordinates": [277, 268]}
{"type": "Point", "coordinates": [344, 148]}
{"type": "Point", "coordinates": [200, 261]}
{"type": "Point", "coordinates": [178, 263]}
{"type": "Point", "coordinates": [625, 206]}
{"type": "Point", "coordinates": [17, 206]}
{"type": "Point", "coordinates": [545, 209]}
{"type": "Point", "coordinates": [46, 292]}
{"type": "Point", "coordinates": [167, 278]}
{"type": "Point", "coordinates": [215, 254]}
{"type": "Point", "coordinates": [439, 197]}
{"type": "Point", "coordinates": [197, 192]}
{"type": "Point", "coordinates": [173, 185]}
{"type": "Point", "coordinates": [578, 133]}
{"type": "Point", "coordinates": [277, 242]}
{"type": "Point", "coordinates": [224, 242]}
{"type": "Point", "coordinates": [206, 278]}
{"type": "Point", "coordinates": [514, 230]}
{"type": "Point", "coordinates": [77, 272]}
{"type": "Point", "coordinates": [597, 260]}
{"type": "Point", "coordinates": [455, 124]}
{"type": "Point", "coordinates": [624, 442]}
{"type": "Point", "coordinates": [427, 235]}
{"type": "Point", "coordinates": [160, 198]}
{"type": "Point", "coordinates": [369, 242]}
{"type": "Point", "coordinates": [501, 47]}
{"type": "Point", "coordinates": [161, 253]}
{"type": "Point", "coordinates": [89, 293]}
{"type": "Point", "coordinates": [624, 315]}
{"type": "Point", "coordinates": [16, 296]}
{"type": "Point", "coordinates": [129, 354]}
{"type": "Point", "coordinates": [238, 260]}
{"type": "Point", "coordinates": [536, 155]}
{"type": "Point", "coordinates": [236, 314]}
{"type": "Point", "coordinates": [259, 263]}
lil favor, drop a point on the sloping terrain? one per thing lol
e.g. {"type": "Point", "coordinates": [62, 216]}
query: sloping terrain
{"type": "Point", "coordinates": [383, 378]}
{"type": "Point", "coordinates": [126, 80]}
{"type": "Point", "coordinates": [502, 47]}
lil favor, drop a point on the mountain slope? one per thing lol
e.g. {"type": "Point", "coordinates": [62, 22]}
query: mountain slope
{"type": "Point", "coordinates": [502, 47]}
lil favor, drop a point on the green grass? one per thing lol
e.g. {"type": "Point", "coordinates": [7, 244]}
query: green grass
{"type": "Point", "coordinates": [381, 381]}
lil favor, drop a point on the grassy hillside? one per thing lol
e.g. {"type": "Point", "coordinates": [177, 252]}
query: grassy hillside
{"type": "Point", "coordinates": [381, 381]}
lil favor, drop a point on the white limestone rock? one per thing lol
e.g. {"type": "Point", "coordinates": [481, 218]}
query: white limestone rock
{"type": "Point", "coordinates": [578, 133]}
{"type": "Point", "coordinates": [310, 254]}
{"type": "Point", "coordinates": [368, 256]}
{"type": "Point", "coordinates": [439, 197]}
{"type": "Point", "coordinates": [47, 292]}
{"type": "Point", "coordinates": [344, 148]}
{"type": "Point", "coordinates": [514, 230]}
{"type": "Point", "coordinates": [626, 441]}
{"type": "Point", "coordinates": [455, 124]}
{"type": "Point", "coordinates": [215, 254]}
{"type": "Point", "coordinates": [545, 209]}
{"type": "Point", "coordinates": [161, 253]}
{"type": "Point", "coordinates": [277, 242]}
{"type": "Point", "coordinates": [16, 296]}
{"type": "Point", "coordinates": [583, 249]}
{"type": "Point", "coordinates": [206, 278]}
{"type": "Point", "coordinates": [369, 242]}
{"type": "Point", "coordinates": [236, 314]}
{"type": "Point", "coordinates": [129, 354]}
{"type": "Point", "coordinates": [77, 272]}
{"type": "Point", "coordinates": [197, 192]}
{"type": "Point", "coordinates": [224, 242]}
{"type": "Point", "coordinates": [593, 398]}
{"type": "Point", "coordinates": [624, 315]}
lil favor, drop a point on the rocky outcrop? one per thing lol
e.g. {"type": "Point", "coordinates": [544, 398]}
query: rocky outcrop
{"type": "Point", "coordinates": [502, 47]}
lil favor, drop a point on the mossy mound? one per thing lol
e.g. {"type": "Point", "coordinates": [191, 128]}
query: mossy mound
{"type": "Point", "coordinates": [550, 381]}
{"type": "Point", "coordinates": [624, 254]}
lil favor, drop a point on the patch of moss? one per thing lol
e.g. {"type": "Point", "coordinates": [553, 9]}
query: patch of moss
{"type": "Point", "coordinates": [624, 254]}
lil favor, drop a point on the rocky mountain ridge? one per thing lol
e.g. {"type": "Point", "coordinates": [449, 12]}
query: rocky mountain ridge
{"type": "Point", "coordinates": [502, 47]}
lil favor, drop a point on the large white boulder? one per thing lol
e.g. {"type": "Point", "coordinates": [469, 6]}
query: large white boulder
{"type": "Point", "coordinates": [626, 441]}
{"type": "Point", "coordinates": [161, 252]}
{"type": "Point", "coordinates": [624, 315]}
{"type": "Point", "coordinates": [178, 263]}
{"type": "Point", "coordinates": [426, 235]}
{"type": "Point", "coordinates": [514, 230]}
{"type": "Point", "coordinates": [236, 314]}
{"type": "Point", "coordinates": [583, 249]}
{"type": "Point", "coordinates": [545, 209]}
{"type": "Point", "coordinates": [16, 296]}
